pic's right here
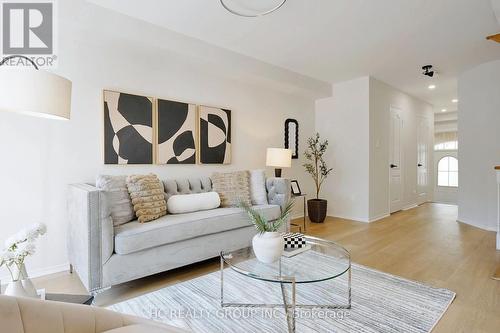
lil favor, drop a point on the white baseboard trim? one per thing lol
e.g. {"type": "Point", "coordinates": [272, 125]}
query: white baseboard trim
{"type": "Point", "coordinates": [477, 225]}
{"type": "Point", "coordinates": [361, 219]}
{"type": "Point", "coordinates": [352, 218]}
{"type": "Point", "coordinates": [411, 206]}
{"type": "Point", "coordinates": [379, 217]}
{"type": "Point", "coordinates": [34, 273]}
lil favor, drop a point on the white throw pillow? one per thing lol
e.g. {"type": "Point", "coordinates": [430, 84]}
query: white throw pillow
{"type": "Point", "coordinates": [186, 203]}
{"type": "Point", "coordinates": [258, 191]}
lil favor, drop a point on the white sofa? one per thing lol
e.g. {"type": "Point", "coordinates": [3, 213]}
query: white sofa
{"type": "Point", "coordinates": [103, 255]}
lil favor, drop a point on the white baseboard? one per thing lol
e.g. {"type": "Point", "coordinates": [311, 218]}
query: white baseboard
{"type": "Point", "coordinates": [34, 273]}
{"type": "Point", "coordinates": [352, 218]}
{"type": "Point", "coordinates": [480, 226]}
{"type": "Point", "coordinates": [379, 217]}
{"type": "Point", "coordinates": [411, 206]}
{"type": "Point", "coordinates": [362, 219]}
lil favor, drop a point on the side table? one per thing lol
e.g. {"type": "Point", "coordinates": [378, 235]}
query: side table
{"type": "Point", "coordinates": [303, 195]}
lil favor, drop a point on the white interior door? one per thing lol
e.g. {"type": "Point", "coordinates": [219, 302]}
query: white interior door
{"type": "Point", "coordinates": [395, 160]}
{"type": "Point", "coordinates": [423, 133]}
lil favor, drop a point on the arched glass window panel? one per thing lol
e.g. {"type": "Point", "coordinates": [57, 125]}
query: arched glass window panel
{"type": "Point", "coordinates": [448, 172]}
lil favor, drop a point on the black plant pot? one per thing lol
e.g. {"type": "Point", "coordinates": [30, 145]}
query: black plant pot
{"type": "Point", "coordinates": [316, 208]}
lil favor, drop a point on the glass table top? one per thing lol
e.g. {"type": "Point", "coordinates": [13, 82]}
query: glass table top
{"type": "Point", "coordinates": [324, 261]}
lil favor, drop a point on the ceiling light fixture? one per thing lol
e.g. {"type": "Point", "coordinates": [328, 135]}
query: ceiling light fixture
{"type": "Point", "coordinates": [443, 110]}
{"type": "Point", "coordinates": [247, 8]}
{"type": "Point", "coordinates": [432, 87]}
{"type": "Point", "coordinates": [427, 70]}
{"type": "Point", "coordinates": [454, 100]}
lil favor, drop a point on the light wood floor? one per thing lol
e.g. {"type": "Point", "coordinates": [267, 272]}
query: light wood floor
{"type": "Point", "coordinates": [424, 244]}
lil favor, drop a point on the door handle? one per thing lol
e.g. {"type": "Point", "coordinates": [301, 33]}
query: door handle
{"type": "Point", "coordinates": [420, 165]}
{"type": "Point", "coordinates": [393, 166]}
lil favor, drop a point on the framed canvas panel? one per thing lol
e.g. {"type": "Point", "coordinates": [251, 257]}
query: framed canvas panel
{"type": "Point", "coordinates": [128, 128]}
{"type": "Point", "coordinates": [214, 135]}
{"type": "Point", "coordinates": [176, 132]}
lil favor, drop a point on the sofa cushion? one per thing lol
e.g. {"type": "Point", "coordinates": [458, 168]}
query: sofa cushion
{"type": "Point", "coordinates": [134, 236]}
{"type": "Point", "coordinates": [258, 191]}
{"type": "Point", "coordinates": [146, 192]}
{"type": "Point", "coordinates": [233, 188]}
{"type": "Point", "coordinates": [119, 201]}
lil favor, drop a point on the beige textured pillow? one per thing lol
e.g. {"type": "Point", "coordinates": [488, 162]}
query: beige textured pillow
{"type": "Point", "coordinates": [146, 192]}
{"type": "Point", "coordinates": [232, 187]}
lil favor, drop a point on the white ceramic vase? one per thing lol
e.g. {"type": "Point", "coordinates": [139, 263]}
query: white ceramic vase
{"type": "Point", "coordinates": [15, 288]}
{"type": "Point", "coordinates": [23, 286]}
{"type": "Point", "coordinates": [268, 247]}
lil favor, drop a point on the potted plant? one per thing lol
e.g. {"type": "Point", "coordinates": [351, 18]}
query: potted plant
{"type": "Point", "coordinates": [268, 244]}
{"type": "Point", "coordinates": [17, 249]}
{"type": "Point", "coordinates": [316, 167]}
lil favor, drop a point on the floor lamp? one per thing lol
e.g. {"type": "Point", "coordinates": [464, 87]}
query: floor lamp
{"type": "Point", "coordinates": [28, 90]}
{"type": "Point", "coordinates": [35, 92]}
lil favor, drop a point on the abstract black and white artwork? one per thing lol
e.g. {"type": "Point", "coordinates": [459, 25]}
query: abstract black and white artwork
{"type": "Point", "coordinates": [128, 128]}
{"type": "Point", "coordinates": [176, 132]}
{"type": "Point", "coordinates": [214, 135]}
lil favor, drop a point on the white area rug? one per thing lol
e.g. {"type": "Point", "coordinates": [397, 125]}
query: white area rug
{"type": "Point", "coordinates": [380, 303]}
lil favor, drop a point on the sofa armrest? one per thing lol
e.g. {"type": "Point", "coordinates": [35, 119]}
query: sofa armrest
{"type": "Point", "coordinates": [90, 233]}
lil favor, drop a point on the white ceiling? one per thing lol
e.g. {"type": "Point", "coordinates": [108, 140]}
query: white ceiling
{"type": "Point", "coordinates": [335, 40]}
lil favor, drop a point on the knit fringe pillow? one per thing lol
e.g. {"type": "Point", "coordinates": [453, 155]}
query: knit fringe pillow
{"type": "Point", "coordinates": [146, 193]}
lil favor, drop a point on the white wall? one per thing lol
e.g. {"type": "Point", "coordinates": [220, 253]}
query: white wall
{"type": "Point", "coordinates": [100, 49]}
{"type": "Point", "coordinates": [356, 122]}
{"type": "Point", "coordinates": [445, 122]}
{"type": "Point", "coordinates": [382, 97]}
{"type": "Point", "coordinates": [442, 194]}
{"type": "Point", "coordinates": [479, 144]}
{"type": "Point", "coordinates": [343, 119]}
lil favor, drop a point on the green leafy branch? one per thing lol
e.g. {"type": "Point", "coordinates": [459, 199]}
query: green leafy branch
{"type": "Point", "coordinates": [262, 224]}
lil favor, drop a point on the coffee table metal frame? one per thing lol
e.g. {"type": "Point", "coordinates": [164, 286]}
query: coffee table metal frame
{"type": "Point", "coordinates": [289, 307]}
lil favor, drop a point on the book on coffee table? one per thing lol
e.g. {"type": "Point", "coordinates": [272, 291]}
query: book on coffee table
{"type": "Point", "coordinates": [290, 252]}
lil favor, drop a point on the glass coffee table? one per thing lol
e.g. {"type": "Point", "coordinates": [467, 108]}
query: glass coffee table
{"type": "Point", "coordinates": [324, 261]}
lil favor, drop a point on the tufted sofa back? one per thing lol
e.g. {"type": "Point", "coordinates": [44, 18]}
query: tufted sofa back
{"type": "Point", "coordinates": [187, 186]}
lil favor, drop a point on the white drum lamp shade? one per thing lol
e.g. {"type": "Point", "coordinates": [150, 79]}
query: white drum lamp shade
{"type": "Point", "coordinates": [278, 158]}
{"type": "Point", "coordinates": [34, 92]}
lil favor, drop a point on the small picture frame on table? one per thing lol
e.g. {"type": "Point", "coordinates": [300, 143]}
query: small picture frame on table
{"type": "Point", "coordinates": [295, 188]}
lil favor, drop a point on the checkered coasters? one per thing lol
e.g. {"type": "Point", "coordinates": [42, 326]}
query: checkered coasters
{"type": "Point", "coordinates": [294, 240]}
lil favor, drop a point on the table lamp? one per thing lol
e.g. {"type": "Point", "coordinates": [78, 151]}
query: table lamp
{"type": "Point", "coordinates": [278, 158]}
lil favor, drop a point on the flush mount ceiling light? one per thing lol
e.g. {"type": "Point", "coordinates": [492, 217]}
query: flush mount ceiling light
{"type": "Point", "coordinates": [454, 100]}
{"type": "Point", "coordinates": [252, 8]}
{"type": "Point", "coordinates": [432, 87]}
{"type": "Point", "coordinates": [443, 110]}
